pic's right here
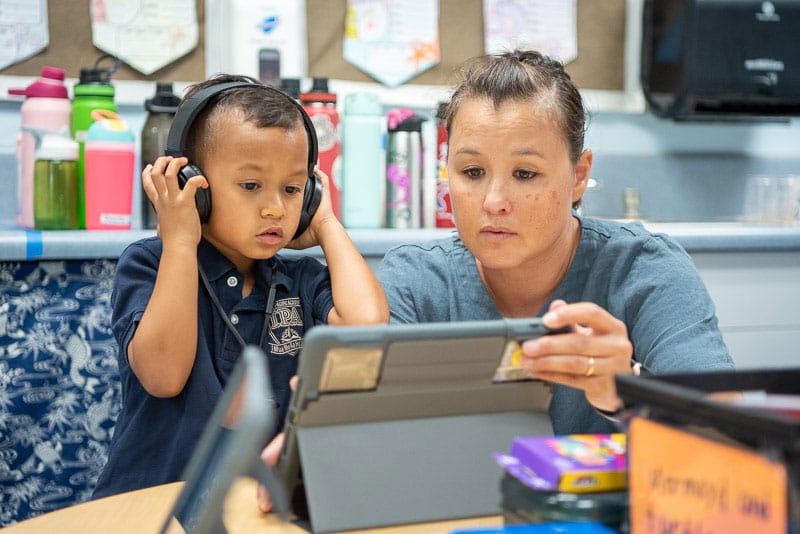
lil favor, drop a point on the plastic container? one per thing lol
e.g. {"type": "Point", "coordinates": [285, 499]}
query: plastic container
{"type": "Point", "coordinates": [404, 174]}
{"type": "Point", "coordinates": [55, 184]}
{"type": "Point", "coordinates": [93, 91]}
{"type": "Point", "coordinates": [110, 155]}
{"type": "Point", "coordinates": [363, 161]}
{"type": "Point", "coordinates": [160, 113]}
{"type": "Point", "coordinates": [46, 109]}
{"type": "Point", "coordinates": [444, 207]}
{"type": "Point", "coordinates": [320, 105]}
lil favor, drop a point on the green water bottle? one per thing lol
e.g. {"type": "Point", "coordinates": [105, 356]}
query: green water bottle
{"type": "Point", "coordinates": [93, 91]}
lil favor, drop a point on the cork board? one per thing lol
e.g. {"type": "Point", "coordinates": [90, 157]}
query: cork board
{"type": "Point", "coordinates": [600, 62]}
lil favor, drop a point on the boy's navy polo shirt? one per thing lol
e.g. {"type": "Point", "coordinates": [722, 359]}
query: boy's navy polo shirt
{"type": "Point", "coordinates": [154, 437]}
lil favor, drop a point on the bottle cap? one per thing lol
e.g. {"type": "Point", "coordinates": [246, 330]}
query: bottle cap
{"type": "Point", "coordinates": [57, 147]}
{"type": "Point", "coordinates": [108, 126]}
{"type": "Point", "coordinates": [164, 101]}
{"type": "Point", "coordinates": [93, 78]}
{"type": "Point", "coordinates": [291, 86]}
{"type": "Point", "coordinates": [362, 104]}
{"type": "Point", "coordinates": [319, 92]}
{"type": "Point", "coordinates": [411, 124]}
{"type": "Point", "coordinates": [93, 89]}
{"type": "Point", "coordinates": [51, 84]}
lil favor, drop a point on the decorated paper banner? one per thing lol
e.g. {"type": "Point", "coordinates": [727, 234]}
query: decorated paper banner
{"type": "Point", "coordinates": [392, 40]}
{"type": "Point", "coordinates": [549, 26]}
{"type": "Point", "coordinates": [146, 34]}
{"type": "Point", "coordinates": [23, 30]}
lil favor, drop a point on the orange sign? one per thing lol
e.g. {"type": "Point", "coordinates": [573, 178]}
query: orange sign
{"type": "Point", "coordinates": [682, 483]}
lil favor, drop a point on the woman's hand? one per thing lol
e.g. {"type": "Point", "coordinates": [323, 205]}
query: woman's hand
{"type": "Point", "coordinates": [178, 220]}
{"type": "Point", "coordinates": [586, 358]}
{"type": "Point", "coordinates": [323, 216]}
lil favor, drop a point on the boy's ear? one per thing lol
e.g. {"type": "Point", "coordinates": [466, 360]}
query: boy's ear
{"type": "Point", "coordinates": [582, 171]}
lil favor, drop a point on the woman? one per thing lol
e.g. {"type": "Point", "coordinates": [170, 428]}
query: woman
{"type": "Point", "coordinates": [517, 170]}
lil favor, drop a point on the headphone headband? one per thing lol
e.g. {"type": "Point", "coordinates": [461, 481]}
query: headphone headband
{"type": "Point", "coordinates": [197, 102]}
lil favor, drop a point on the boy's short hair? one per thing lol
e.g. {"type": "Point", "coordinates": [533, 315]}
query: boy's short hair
{"type": "Point", "coordinates": [263, 108]}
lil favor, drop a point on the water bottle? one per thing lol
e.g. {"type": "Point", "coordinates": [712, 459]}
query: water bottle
{"type": "Point", "coordinates": [47, 108]}
{"type": "Point", "coordinates": [444, 207]}
{"type": "Point", "coordinates": [93, 91]}
{"type": "Point", "coordinates": [55, 183]}
{"type": "Point", "coordinates": [363, 161]}
{"type": "Point", "coordinates": [321, 107]}
{"type": "Point", "coordinates": [110, 154]}
{"type": "Point", "coordinates": [404, 174]}
{"type": "Point", "coordinates": [160, 112]}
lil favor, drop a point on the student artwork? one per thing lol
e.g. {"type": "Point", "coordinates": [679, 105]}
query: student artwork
{"type": "Point", "coordinates": [23, 30]}
{"type": "Point", "coordinates": [145, 35]}
{"type": "Point", "coordinates": [392, 40]}
{"type": "Point", "coordinates": [549, 26]}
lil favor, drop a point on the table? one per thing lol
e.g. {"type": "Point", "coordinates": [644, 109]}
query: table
{"type": "Point", "coordinates": [143, 511]}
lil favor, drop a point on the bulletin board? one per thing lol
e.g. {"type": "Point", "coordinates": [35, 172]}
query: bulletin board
{"type": "Point", "coordinates": [601, 43]}
{"type": "Point", "coordinates": [600, 62]}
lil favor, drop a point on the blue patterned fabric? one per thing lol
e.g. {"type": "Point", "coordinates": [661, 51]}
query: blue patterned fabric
{"type": "Point", "coordinates": [59, 385]}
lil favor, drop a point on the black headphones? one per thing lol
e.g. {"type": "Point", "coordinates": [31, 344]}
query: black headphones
{"type": "Point", "coordinates": [179, 131]}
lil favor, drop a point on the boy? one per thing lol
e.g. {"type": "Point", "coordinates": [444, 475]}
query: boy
{"type": "Point", "coordinates": [179, 338]}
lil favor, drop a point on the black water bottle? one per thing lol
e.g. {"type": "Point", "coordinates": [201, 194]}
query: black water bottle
{"type": "Point", "coordinates": [160, 112]}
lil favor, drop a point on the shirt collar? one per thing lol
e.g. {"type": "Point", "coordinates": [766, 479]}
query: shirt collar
{"type": "Point", "coordinates": [216, 266]}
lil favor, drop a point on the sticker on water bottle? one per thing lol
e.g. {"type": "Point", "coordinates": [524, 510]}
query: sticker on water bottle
{"type": "Point", "coordinates": [116, 219]}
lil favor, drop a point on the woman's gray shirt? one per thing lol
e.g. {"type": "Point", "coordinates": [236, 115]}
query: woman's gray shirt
{"type": "Point", "coordinates": [646, 280]}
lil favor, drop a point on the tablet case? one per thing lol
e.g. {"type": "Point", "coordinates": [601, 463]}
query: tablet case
{"type": "Point", "coordinates": [397, 424]}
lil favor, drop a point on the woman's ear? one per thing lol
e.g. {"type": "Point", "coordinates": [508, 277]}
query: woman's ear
{"type": "Point", "coordinates": [582, 171]}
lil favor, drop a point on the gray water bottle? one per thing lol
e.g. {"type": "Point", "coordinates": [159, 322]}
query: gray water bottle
{"type": "Point", "coordinates": [404, 174]}
{"type": "Point", "coordinates": [160, 112]}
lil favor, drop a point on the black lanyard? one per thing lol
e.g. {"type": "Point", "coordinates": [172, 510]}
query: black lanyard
{"type": "Point", "coordinates": [226, 319]}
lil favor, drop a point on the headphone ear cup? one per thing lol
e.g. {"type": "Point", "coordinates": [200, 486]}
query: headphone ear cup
{"type": "Point", "coordinates": [311, 199]}
{"type": "Point", "coordinates": [202, 197]}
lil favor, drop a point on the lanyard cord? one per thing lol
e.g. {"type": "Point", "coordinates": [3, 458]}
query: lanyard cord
{"type": "Point", "coordinates": [226, 319]}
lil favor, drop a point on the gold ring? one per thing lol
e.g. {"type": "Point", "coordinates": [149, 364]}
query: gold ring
{"type": "Point", "coordinates": [590, 370]}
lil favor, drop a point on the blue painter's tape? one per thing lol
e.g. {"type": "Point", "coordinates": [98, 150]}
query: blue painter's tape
{"type": "Point", "coordinates": [34, 246]}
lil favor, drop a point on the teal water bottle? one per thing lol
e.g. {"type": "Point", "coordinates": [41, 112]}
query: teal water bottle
{"type": "Point", "coordinates": [93, 91]}
{"type": "Point", "coordinates": [363, 161]}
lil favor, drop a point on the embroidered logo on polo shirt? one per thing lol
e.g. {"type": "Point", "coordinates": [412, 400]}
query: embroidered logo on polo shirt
{"type": "Point", "coordinates": [285, 319]}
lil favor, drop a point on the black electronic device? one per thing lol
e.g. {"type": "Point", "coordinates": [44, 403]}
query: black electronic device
{"type": "Point", "coordinates": [189, 110]}
{"type": "Point", "coordinates": [721, 59]}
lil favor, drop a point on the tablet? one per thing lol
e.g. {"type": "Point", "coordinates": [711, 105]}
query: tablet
{"type": "Point", "coordinates": [394, 424]}
{"type": "Point", "coordinates": [240, 426]}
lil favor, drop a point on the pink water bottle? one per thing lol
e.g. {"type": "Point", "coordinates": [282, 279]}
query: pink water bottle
{"type": "Point", "coordinates": [109, 158]}
{"type": "Point", "coordinates": [47, 109]}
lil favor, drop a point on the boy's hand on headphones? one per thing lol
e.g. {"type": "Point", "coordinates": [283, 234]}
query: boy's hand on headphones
{"type": "Point", "coordinates": [178, 221]}
{"type": "Point", "coordinates": [323, 216]}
